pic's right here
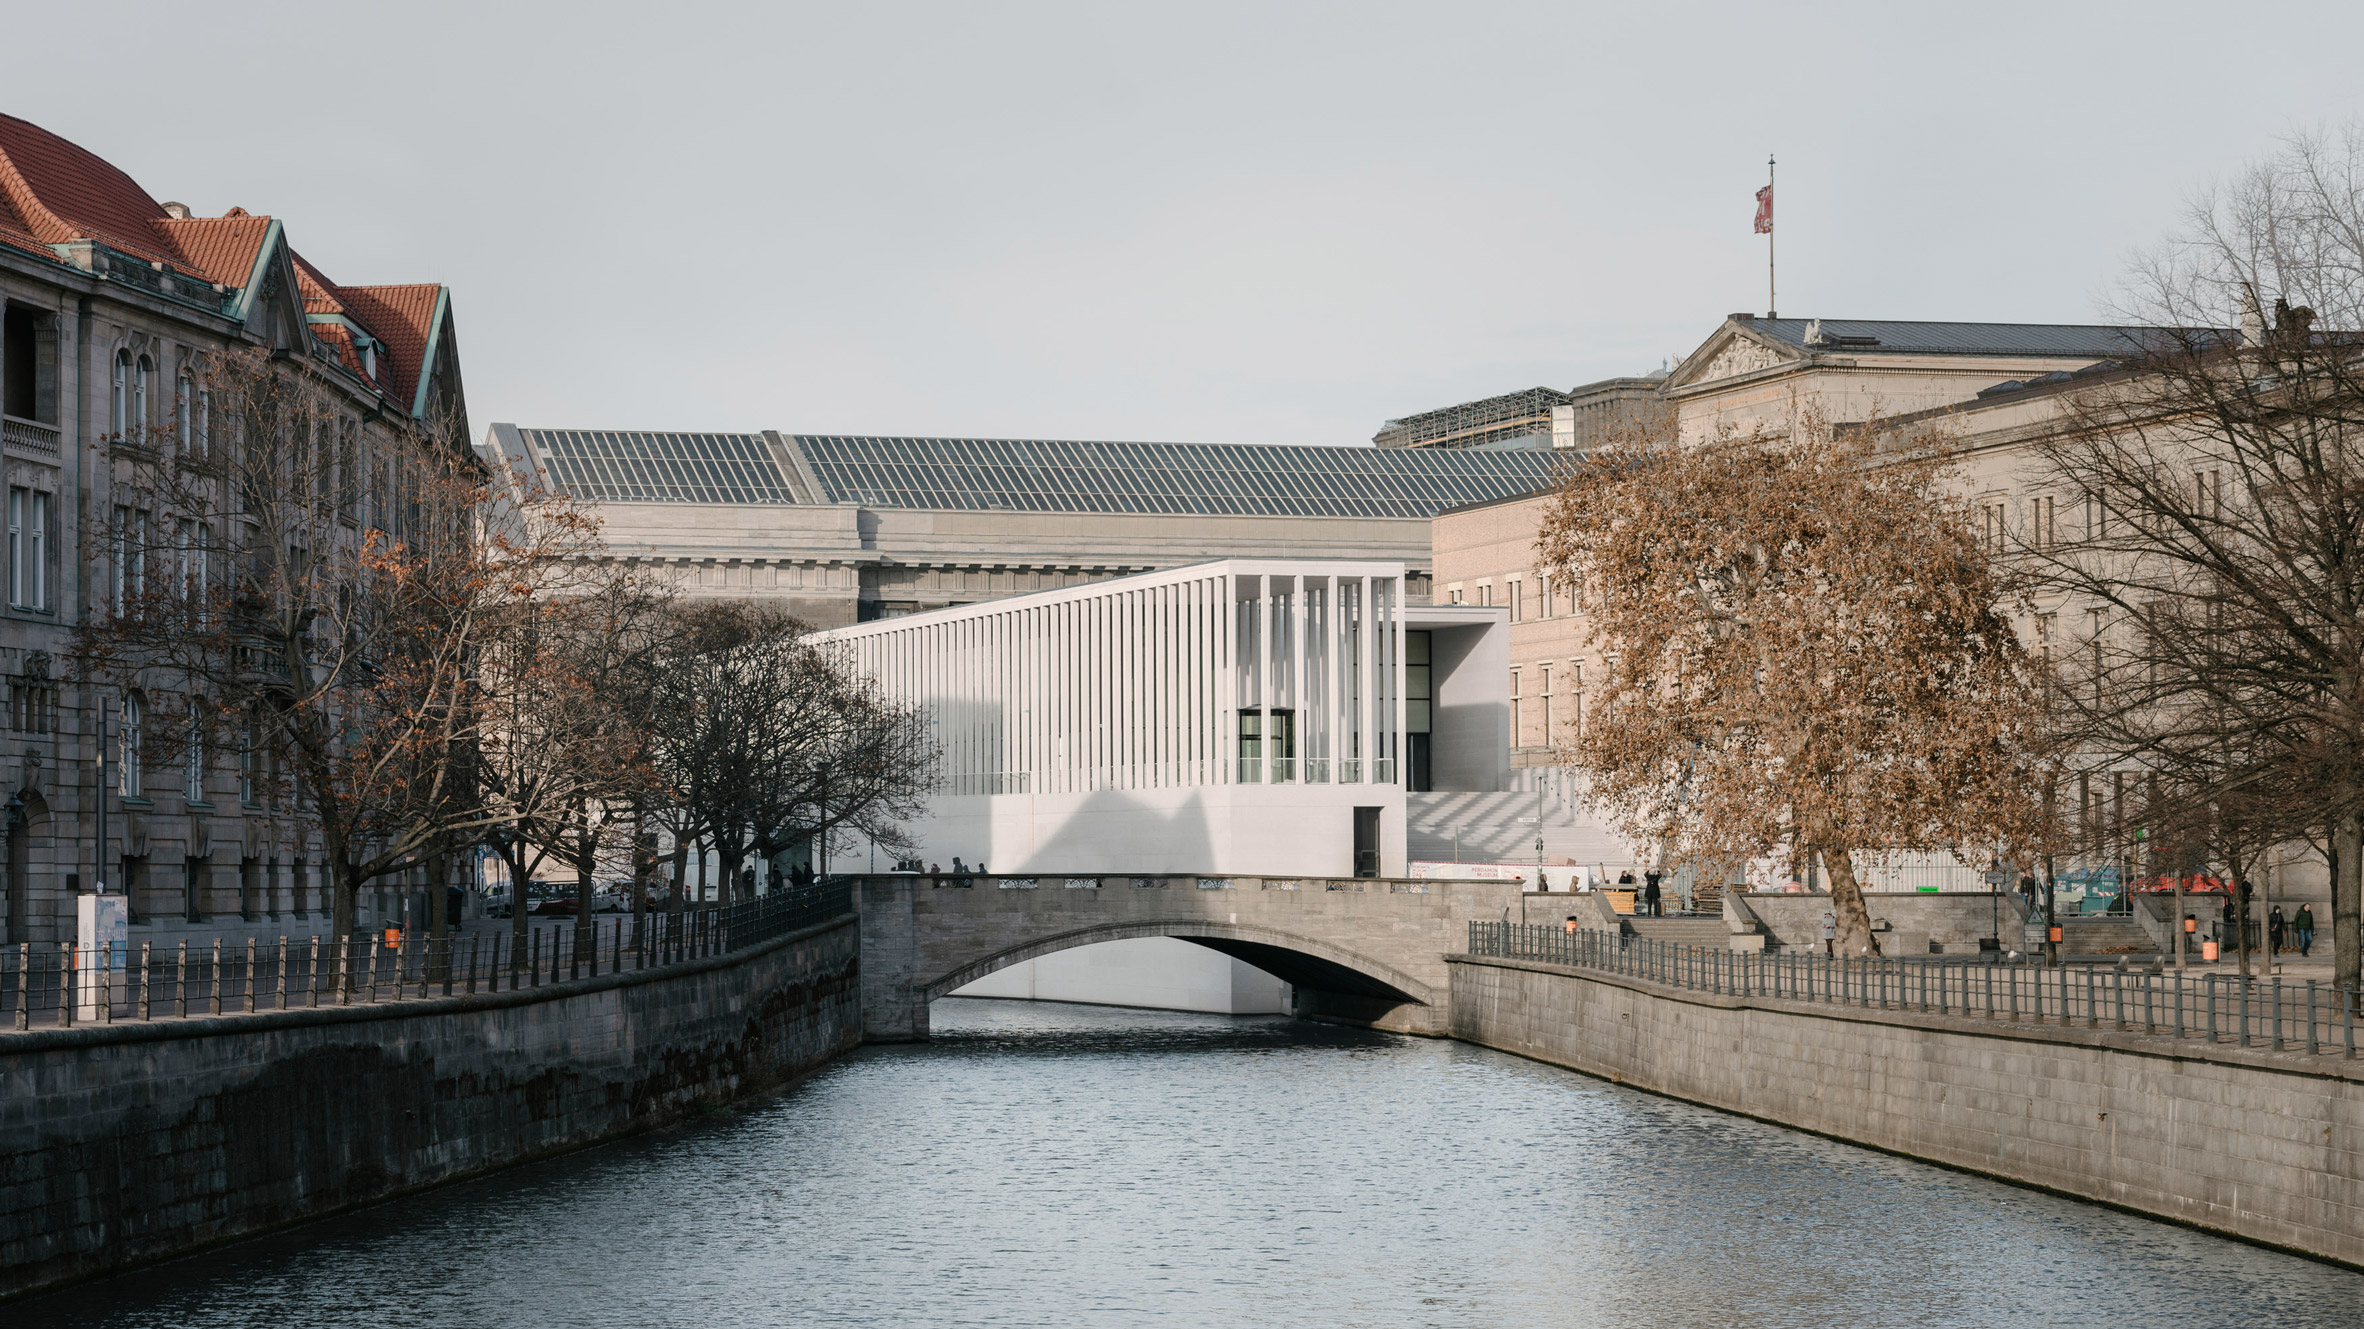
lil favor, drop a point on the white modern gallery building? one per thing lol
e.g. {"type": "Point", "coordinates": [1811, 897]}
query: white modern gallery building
{"type": "Point", "coordinates": [1238, 716]}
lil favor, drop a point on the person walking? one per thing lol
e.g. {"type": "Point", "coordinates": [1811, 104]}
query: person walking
{"type": "Point", "coordinates": [2304, 926]}
{"type": "Point", "coordinates": [1830, 934]}
{"type": "Point", "coordinates": [2274, 930]}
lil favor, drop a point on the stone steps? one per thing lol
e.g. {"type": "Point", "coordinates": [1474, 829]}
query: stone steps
{"type": "Point", "coordinates": [2105, 936]}
{"type": "Point", "coordinates": [1683, 931]}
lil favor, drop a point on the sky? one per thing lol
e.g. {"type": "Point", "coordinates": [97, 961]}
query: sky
{"type": "Point", "coordinates": [1259, 223]}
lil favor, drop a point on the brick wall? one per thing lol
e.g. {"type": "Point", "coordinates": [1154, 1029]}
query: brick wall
{"type": "Point", "coordinates": [2254, 1144]}
{"type": "Point", "coordinates": [125, 1143]}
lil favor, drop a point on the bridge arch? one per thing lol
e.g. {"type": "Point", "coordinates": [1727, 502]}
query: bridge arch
{"type": "Point", "coordinates": [1307, 964]}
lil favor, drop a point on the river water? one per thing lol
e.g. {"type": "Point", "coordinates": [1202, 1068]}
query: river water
{"type": "Point", "coordinates": [1049, 1165]}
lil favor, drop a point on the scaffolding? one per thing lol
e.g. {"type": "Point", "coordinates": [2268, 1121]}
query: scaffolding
{"type": "Point", "coordinates": [1475, 423]}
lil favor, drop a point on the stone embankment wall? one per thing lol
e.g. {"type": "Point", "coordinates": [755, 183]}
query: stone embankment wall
{"type": "Point", "coordinates": [122, 1144]}
{"type": "Point", "coordinates": [2254, 1144]}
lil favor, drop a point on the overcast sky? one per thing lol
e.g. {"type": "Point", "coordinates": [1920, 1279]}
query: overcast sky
{"type": "Point", "coordinates": [1261, 223]}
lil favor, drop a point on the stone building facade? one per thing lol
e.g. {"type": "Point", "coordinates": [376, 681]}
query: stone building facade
{"type": "Point", "coordinates": [1752, 372]}
{"type": "Point", "coordinates": [117, 308]}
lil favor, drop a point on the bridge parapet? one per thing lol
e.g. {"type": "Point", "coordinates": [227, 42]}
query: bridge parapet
{"type": "Point", "coordinates": [1361, 950]}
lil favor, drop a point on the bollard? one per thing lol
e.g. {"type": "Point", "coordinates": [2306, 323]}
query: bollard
{"type": "Point", "coordinates": [312, 974]}
{"type": "Point", "coordinates": [250, 992]}
{"type": "Point", "coordinates": [147, 985]}
{"type": "Point", "coordinates": [370, 989]}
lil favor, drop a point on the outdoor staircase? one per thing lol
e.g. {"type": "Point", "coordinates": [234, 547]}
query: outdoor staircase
{"type": "Point", "coordinates": [2105, 936]}
{"type": "Point", "coordinates": [1709, 932]}
{"type": "Point", "coordinates": [1448, 827]}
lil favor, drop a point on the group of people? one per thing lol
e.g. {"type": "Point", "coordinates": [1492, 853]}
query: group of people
{"type": "Point", "coordinates": [2296, 932]}
{"type": "Point", "coordinates": [1651, 901]}
{"type": "Point", "coordinates": [960, 874]}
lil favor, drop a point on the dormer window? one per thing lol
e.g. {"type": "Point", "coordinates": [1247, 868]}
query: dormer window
{"type": "Point", "coordinates": [369, 360]}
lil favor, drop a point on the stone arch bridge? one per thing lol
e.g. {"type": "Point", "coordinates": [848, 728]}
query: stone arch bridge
{"type": "Point", "coordinates": [1364, 951]}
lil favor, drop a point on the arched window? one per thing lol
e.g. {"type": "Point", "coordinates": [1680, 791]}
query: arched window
{"type": "Point", "coordinates": [119, 408]}
{"type": "Point", "coordinates": [184, 408]}
{"type": "Point", "coordinates": [127, 751]}
{"type": "Point", "coordinates": [140, 375]}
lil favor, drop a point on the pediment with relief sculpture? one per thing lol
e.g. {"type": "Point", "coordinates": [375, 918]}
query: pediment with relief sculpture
{"type": "Point", "coordinates": [1728, 355]}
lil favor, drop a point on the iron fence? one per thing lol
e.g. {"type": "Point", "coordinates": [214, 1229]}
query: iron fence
{"type": "Point", "coordinates": [65, 984]}
{"type": "Point", "coordinates": [2316, 1018]}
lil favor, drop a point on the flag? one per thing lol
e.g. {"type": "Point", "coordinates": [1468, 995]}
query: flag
{"type": "Point", "coordinates": [1765, 211]}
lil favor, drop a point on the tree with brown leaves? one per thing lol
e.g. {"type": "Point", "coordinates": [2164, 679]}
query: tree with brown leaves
{"type": "Point", "coordinates": [1806, 652]}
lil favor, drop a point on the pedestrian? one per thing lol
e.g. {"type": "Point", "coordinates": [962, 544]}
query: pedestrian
{"type": "Point", "coordinates": [2304, 926]}
{"type": "Point", "coordinates": [1650, 895]}
{"type": "Point", "coordinates": [1830, 934]}
{"type": "Point", "coordinates": [2227, 929]}
{"type": "Point", "coordinates": [2274, 930]}
{"type": "Point", "coordinates": [935, 876]}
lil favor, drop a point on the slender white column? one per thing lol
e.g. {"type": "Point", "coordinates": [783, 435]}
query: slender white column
{"type": "Point", "coordinates": [1297, 644]}
{"type": "Point", "coordinates": [1367, 677]}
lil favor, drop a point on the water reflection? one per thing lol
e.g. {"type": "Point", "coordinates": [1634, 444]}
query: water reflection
{"type": "Point", "coordinates": [1045, 1165]}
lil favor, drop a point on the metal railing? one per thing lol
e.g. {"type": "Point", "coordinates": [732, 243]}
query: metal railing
{"type": "Point", "coordinates": [65, 984]}
{"type": "Point", "coordinates": [2216, 1008]}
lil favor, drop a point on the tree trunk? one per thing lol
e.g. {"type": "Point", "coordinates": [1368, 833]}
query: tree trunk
{"type": "Point", "coordinates": [439, 880]}
{"type": "Point", "coordinates": [513, 856]}
{"type": "Point", "coordinates": [1846, 897]}
{"type": "Point", "coordinates": [346, 891]}
{"type": "Point", "coordinates": [586, 862]}
{"type": "Point", "coordinates": [2347, 899]}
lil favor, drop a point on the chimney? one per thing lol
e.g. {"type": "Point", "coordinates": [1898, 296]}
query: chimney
{"type": "Point", "coordinates": [177, 211]}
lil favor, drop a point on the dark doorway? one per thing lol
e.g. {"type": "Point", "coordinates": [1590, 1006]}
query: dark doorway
{"type": "Point", "coordinates": [1366, 842]}
{"type": "Point", "coordinates": [1419, 708]}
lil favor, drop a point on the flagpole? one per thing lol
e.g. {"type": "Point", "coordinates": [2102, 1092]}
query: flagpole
{"type": "Point", "coordinates": [1772, 303]}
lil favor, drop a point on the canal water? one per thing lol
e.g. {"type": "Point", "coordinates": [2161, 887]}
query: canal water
{"type": "Point", "coordinates": [1048, 1165]}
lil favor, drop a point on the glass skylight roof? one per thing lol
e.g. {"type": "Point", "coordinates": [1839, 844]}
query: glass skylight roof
{"type": "Point", "coordinates": [1016, 475]}
{"type": "Point", "coordinates": [1211, 479]}
{"type": "Point", "coordinates": [613, 467]}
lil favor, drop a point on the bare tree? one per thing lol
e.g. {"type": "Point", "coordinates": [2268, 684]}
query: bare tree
{"type": "Point", "coordinates": [1806, 651]}
{"type": "Point", "coordinates": [765, 739]}
{"type": "Point", "coordinates": [567, 753]}
{"type": "Point", "coordinates": [323, 599]}
{"type": "Point", "coordinates": [2220, 568]}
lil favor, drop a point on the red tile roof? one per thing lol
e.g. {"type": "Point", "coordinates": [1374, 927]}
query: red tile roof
{"type": "Point", "coordinates": [53, 192]}
{"type": "Point", "coordinates": [219, 249]}
{"type": "Point", "coordinates": [402, 317]}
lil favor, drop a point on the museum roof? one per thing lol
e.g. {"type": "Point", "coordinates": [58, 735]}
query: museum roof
{"type": "Point", "coordinates": [1893, 337]}
{"type": "Point", "coordinates": [1033, 475]}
